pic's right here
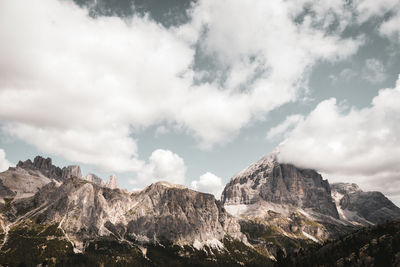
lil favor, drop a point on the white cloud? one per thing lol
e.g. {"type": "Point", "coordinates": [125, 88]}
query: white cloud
{"type": "Point", "coordinates": [80, 87]}
{"type": "Point", "coordinates": [374, 71]}
{"type": "Point", "coordinates": [391, 27]}
{"type": "Point", "coordinates": [209, 183]}
{"type": "Point", "coordinates": [369, 8]}
{"type": "Point", "coordinates": [4, 164]}
{"type": "Point", "coordinates": [358, 143]}
{"type": "Point", "coordinates": [289, 123]}
{"type": "Point", "coordinates": [163, 165]}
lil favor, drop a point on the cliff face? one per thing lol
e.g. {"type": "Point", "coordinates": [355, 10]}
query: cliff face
{"type": "Point", "coordinates": [273, 182]}
{"type": "Point", "coordinates": [161, 212]}
{"type": "Point", "coordinates": [86, 210]}
{"type": "Point", "coordinates": [279, 203]}
{"type": "Point", "coordinates": [20, 183]}
{"type": "Point", "coordinates": [47, 169]}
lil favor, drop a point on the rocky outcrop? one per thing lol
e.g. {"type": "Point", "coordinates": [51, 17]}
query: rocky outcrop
{"type": "Point", "coordinates": [363, 207]}
{"type": "Point", "coordinates": [345, 188]}
{"type": "Point", "coordinates": [44, 165]}
{"type": "Point", "coordinates": [162, 212]}
{"type": "Point", "coordinates": [71, 171]}
{"type": "Point", "coordinates": [21, 183]}
{"type": "Point", "coordinates": [112, 182]}
{"type": "Point", "coordinates": [94, 179]}
{"type": "Point", "coordinates": [274, 182]}
{"type": "Point", "coordinates": [278, 203]}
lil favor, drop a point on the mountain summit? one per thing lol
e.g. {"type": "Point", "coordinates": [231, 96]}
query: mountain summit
{"type": "Point", "coordinates": [278, 203]}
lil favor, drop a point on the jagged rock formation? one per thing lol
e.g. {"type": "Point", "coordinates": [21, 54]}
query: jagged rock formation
{"type": "Point", "coordinates": [43, 165]}
{"type": "Point", "coordinates": [363, 207]}
{"type": "Point", "coordinates": [20, 183]}
{"type": "Point", "coordinates": [161, 212]}
{"type": "Point", "coordinates": [345, 188]}
{"type": "Point", "coordinates": [273, 182]}
{"type": "Point", "coordinates": [82, 214]}
{"type": "Point", "coordinates": [282, 207]}
{"type": "Point", "coordinates": [71, 171]}
{"type": "Point", "coordinates": [283, 204]}
{"type": "Point", "coordinates": [94, 179]}
{"type": "Point", "coordinates": [46, 167]}
{"type": "Point", "coordinates": [112, 182]}
{"type": "Point", "coordinates": [277, 208]}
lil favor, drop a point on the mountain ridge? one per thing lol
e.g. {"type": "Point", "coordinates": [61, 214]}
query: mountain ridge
{"type": "Point", "coordinates": [267, 210]}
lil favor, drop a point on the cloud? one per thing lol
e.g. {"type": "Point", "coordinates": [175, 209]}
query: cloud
{"type": "Point", "coordinates": [81, 87]}
{"type": "Point", "coordinates": [208, 183]}
{"type": "Point", "coordinates": [374, 71]}
{"type": "Point", "coordinates": [109, 148]}
{"type": "Point", "coordinates": [355, 143]}
{"type": "Point", "coordinates": [4, 164]}
{"type": "Point", "coordinates": [370, 8]}
{"type": "Point", "coordinates": [289, 123]}
{"type": "Point", "coordinates": [163, 165]}
{"type": "Point", "coordinates": [346, 74]}
{"type": "Point", "coordinates": [391, 27]}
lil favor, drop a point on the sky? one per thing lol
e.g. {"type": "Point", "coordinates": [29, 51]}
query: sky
{"type": "Point", "coordinates": [192, 92]}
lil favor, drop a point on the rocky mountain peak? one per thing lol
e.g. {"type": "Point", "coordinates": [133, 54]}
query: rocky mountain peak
{"type": "Point", "coordinates": [112, 182]}
{"type": "Point", "coordinates": [44, 165]}
{"type": "Point", "coordinates": [71, 171]}
{"type": "Point", "coordinates": [362, 207]}
{"type": "Point", "coordinates": [271, 181]}
{"type": "Point", "coordinates": [165, 184]}
{"type": "Point", "coordinates": [161, 212]}
{"type": "Point", "coordinates": [94, 179]}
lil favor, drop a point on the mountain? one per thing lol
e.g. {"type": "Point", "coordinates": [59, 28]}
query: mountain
{"type": "Point", "coordinates": [67, 219]}
{"type": "Point", "coordinates": [363, 207]}
{"type": "Point", "coordinates": [281, 207]}
{"type": "Point", "coordinates": [270, 214]}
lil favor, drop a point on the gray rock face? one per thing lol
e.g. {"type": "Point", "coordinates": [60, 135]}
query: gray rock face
{"type": "Point", "coordinates": [160, 212]}
{"type": "Point", "coordinates": [71, 171]}
{"type": "Point", "coordinates": [345, 188]}
{"type": "Point", "coordinates": [94, 179]}
{"type": "Point", "coordinates": [46, 167]}
{"type": "Point", "coordinates": [273, 182]}
{"type": "Point", "coordinates": [112, 182]}
{"type": "Point", "coordinates": [43, 165]}
{"type": "Point", "coordinates": [373, 207]}
{"type": "Point", "coordinates": [20, 183]}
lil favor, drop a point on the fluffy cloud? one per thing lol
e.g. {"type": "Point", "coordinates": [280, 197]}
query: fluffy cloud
{"type": "Point", "coordinates": [163, 165]}
{"type": "Point", "coordinates": [369, 8]}
{"type": "Point", "coordinates": [4, 164]}
{"type": "Point", "coordinates": [354, 143]}
{"type": "Point", "coordinates": [80, 87]}
{"type": "Point", "coordinates": [390, 8]}
{"type": "Point", "coordinates": [209, 183]}
{"type": "Point", "coordinates": [391, 27]}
